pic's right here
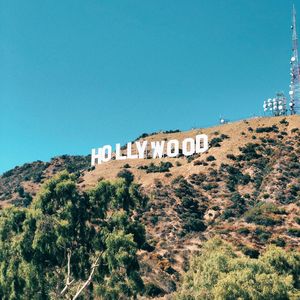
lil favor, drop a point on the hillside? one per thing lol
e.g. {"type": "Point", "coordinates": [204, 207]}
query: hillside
{"type": "Point", "coordinates": [246, 189]}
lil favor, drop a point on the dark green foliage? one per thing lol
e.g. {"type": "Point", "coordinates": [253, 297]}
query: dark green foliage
{"type": "Point", "coordinates": [37, 177]}
{"type": "Point", "coordinates": [224, 136]}
{"type": "Point", "coordinates": [190, 203]}
{"type": "Point", "coordinates": [262, 235]}
{"type": "Point", "coordinates": [253, 253]}
{"type": "Point", "coordinates": [269, 141]}
{"type": "Point", "coordinates": [184, 189]}
{"type": "Point", "coordinates": [75, 163]}
{"type": "Point", "coordinates": [217, 272]}
{"type": "Point", "coordinates": [243, 231]}
{"type": "Point", "coordinates": [280, 242]}
{"type": "Point", "coordinates": [235, 176]}
{"type": "Point", "coordinates": [162, 167]}
{"type": "Point", "coordinates": [209, 186]}
{"type": "Point", "coordinates": [154, 219]}
{"type": "Point", "coordinates": [294, 232]}
{"type": "Point", "coordinates": [264, 214]}
{"type": "Point", "coordinates": [35, 242]}
{"type": "Point", "coordinates": [177, 179]}
{"type": "Point", "coordinates": [200, 163]}
{"type": "Point", "coordinates": [215, 142]}
{"type": "Point", "coordinates": [192, 223]}
{"type": "Point", "coordinates": [237, 208]}
{"type": "Point", "coordinates": [228, 213]}
{"type": "Point", "coordinates": [142, 136]}
{"type": "Point", "coordinates": [189, 211]}
{"type": "Point", "coordinates": [284, 122]}
{"type": "Point", "coordinates": [152, 290]}
{"type": "Point", "coordinates": [273, 128]}
{"type": "Point", "coordinates": [231, 156]}
{"type": "Point", "coordinates": [249, 152]}
{"type": "Point", "coordinates": [8, 173]}
{"type": "Point", "coordinates": [20, 191]}
{"type": "Point", "coordinates": [127, 175]}
{"type": "Point", "coordinates": [210, 158]}
{"type": "Point", "coordinates": [171, 131]}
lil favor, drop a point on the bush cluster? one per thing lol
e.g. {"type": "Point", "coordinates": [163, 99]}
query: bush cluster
{"type": "Point", "coordinates": [152, 168]}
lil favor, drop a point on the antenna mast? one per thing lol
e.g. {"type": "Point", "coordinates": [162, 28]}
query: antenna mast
{"type": "Point", "coordinates": [295, 70]}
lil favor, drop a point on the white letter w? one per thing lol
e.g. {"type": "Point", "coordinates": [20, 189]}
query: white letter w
{"type": "Point", "coordinates": [158, 149]}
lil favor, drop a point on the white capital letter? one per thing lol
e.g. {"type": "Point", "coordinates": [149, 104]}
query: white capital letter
{"type": "Point", "coordinates": [95, 156]}
{"type": "Point", "coordinates": [201, 143]}
{"type": "Point", "coordinates": [129, 152]}
{"type": "Point", "coordinates": [191, 150]}
{"type": "Point", "coordinates": [119, 155]}
{"type": "Point", "coordinates": [141, 148]}
{"type": "Point", "coordinates": [106, 152]}
{"type": "Point", "coordinates": [158, 149]}
{"type": "Point", "coordinates": [173, 148]}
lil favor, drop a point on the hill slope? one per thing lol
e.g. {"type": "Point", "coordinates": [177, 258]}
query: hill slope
{"type": "Point", "coordinates": [246, 189]}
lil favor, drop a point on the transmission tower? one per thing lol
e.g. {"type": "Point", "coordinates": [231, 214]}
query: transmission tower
{"type": "Point", "coordinates": [295, 70]}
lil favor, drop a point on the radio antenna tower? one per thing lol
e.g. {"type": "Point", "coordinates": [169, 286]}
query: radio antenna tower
{"type": "Point", "coordinates": [295, 70]}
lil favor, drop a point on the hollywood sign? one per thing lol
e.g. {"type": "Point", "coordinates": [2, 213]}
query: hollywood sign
{"type": "Point", "coordinates": [172, 148]}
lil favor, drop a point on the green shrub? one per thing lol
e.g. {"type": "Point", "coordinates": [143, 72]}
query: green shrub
{"type": "Point", "coordinates": [8, 173]}
{"type": "Point", "coordinates": [231, 156]}
{"type": "Point", "coordinates": [262, 235]}
{"type": "Point", "coordinates": [279, 242]}
{"type": "Point", "coordinates": [154, 219]}
{"type": "Point", "coordinates": [228, 213]}
{"type": "Point", "coordinates": [127, 175]}
{"type": "Point", "coordinates": [215, 142]}
{"type": "Point", "coordinates": [294, 232]}
{"type": "Point", "coordinates": [152, 290]}
{"type": "Point", "coordinates": [210, 158]}
{"type": "Point", "coordinates": [184, 189]}
{"type": "Point", "coordinates": [249, 152]}
{"type": "Point", "coordinates": [262, 214]}
{"type": "Point", "coordinates": [194, 224]}
{"type": "Point", "coordinates": [20, 191]}
{"type": "Point", "coordinates": [162, 167]}
{"type": "Point", "coordinates": [297, 220]}
{"type": "Point", "coordinates": [243, 231]}
{"type": "Point", "coordinates": [209, 186]}
{"type": "Point", "coordinates": [253, 253]}
{"type": "Point", "coordinates": [273, 128]}
{"type": "Point", "coordinates": [217, 272]}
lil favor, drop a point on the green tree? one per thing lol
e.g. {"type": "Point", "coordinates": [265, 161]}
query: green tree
{"type": "Point", "coordinates": [218, 273]}
{"type": "Point", "coordinates": [71, 244]}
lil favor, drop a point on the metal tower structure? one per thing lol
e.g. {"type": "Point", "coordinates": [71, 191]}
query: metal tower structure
{"type": "Point", "coordinates": [295, 70]}
{"type": "Point", "coordinates": [276, 106]}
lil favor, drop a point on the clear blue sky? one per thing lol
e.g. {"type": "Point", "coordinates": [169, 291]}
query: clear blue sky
{"type": "Point", "coordinates": [77, 74]}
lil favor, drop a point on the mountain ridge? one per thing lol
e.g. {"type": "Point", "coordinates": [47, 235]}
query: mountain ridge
{"type": "Point", "coordinates": [245, 189]}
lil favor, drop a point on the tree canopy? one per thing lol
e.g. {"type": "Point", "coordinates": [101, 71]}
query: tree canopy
{"type": "Point", "coordinates": [219, 273]}
{"type": "Point", "coordinates": [71, 245]}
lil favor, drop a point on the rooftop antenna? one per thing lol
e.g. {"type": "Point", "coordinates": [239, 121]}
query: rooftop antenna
{"type": "Point", "coordinates": [223, 120]}
{"type": "Point", "coordinates": [295, 70]}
